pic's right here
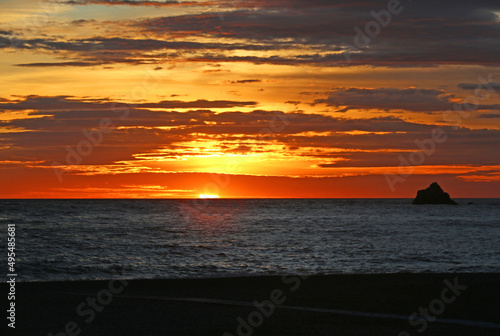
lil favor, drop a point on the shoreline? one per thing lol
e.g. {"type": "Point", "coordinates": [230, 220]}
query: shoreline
{"type": "Point", "coordinates": [252, 275]}
{"type": "Point", "coordinates": [345, 304]}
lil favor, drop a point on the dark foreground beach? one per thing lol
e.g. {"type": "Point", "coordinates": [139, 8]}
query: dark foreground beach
{"type": "Point", "coordinates": [441, 304]}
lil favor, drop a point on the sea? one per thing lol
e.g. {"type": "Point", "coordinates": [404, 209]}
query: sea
{"type": "Point", "coordinates": [145, 239]}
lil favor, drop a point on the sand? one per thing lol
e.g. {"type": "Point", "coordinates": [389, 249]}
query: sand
{"type": "Point", "coordinates": [456, 304]}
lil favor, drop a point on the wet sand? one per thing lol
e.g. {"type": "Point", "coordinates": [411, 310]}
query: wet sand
{"type": "Point", "coordinates": [380, 304]}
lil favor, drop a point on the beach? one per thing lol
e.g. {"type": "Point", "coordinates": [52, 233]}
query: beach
{"type": "Point", "coordinates": [369, 304]}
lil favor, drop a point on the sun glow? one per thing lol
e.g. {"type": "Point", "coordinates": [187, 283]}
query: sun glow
{"type": "Point", "coordinates": [209, 196]}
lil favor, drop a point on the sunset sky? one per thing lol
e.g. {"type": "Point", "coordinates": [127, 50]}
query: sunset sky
{"type": "Point", "coordinates": [249, 98]}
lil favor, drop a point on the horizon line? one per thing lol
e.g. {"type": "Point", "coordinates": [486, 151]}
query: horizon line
{"type": "Point", "coordinates": [230, 198]}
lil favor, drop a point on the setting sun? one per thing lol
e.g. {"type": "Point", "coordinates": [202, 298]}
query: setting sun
{"type": "Point", "coordinates": [209, 196]}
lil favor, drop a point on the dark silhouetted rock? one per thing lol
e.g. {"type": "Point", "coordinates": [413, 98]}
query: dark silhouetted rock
{"type": "Point", "coordinates": [433, 195]}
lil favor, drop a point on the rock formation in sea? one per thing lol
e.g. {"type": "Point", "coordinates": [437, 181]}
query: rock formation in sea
{"type": "Point", "coordinates": [433, 195]}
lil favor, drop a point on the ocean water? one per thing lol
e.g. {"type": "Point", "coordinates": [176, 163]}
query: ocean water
{"type": "Point", "coordinates": [103, 239]}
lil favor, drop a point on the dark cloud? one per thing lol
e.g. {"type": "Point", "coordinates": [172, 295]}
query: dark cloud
{"type": "Point", "coordinates": [318, 33]}
{"type": "Point", "coordinates": [489, 116]}
{"type": "Point", "coordinates": [82, 22]}
{"type": "Point", "coordinates": [216, 4]}
{"type": "Point", "coordinates": [201, 103]}
{"type": "Point", "coordinates": [471, 86]}
{"type": "Point", "coordinates": [424, 34]}
{"type": "Point", "coordinates": [246, 81]}
{"type": "Point", "coordinates": [42, 103]}
{"type": "Point", "coordinates": [136, 3]}
{"type": "Point", "coordinates": [392, 99]}
{"type": "Point", "coordinates": [53, 123]}
{"type": "Point", "coordinates": [99, 50]}
{"type": "Point", "coordinates": [60, 64]}
{"type": "Point", "coordinates": [388, 99]}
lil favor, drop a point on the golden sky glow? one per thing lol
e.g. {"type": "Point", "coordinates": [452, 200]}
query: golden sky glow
{"type": "Point", "coordinates": [246, 98]}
